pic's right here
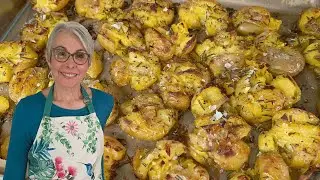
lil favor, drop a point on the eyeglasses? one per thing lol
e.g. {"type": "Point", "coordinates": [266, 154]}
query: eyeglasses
{"type": "Point", "coordinates": [60, 54]}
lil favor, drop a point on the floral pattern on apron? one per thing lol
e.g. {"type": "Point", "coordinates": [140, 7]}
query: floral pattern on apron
{"type": "Point", "coordinates": [67, 148]}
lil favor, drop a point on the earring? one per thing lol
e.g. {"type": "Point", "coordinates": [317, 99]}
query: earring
{"type": "Point", "coordinates": [50, 75]}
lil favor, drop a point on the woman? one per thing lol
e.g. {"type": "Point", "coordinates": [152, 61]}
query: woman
{"type": "Point", "coordinates": [58, 132]}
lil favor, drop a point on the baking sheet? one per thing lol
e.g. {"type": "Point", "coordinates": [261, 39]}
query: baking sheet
{"type": "Point", "coordinates": [287, 10]}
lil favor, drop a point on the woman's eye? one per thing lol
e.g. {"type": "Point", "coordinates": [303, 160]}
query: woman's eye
{"type": "Point", "coordinates": [61, 54]}
{"type": "Point", "coordinates": [80, 55]}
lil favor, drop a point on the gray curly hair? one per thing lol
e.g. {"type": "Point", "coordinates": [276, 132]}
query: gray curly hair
{"type": "Point", "coordinates": [75, 28]}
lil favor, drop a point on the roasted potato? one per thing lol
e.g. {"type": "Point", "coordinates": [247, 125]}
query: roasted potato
{"type": "Point", "coordinates": [159, 44]}
{"type": "Point", "coordinates": [6, 71]}
{"type": "Point", "coordinates": [207, 13]}
{"type": "Point", "coordinates": [295, 134]}
{"type": "Point", "coordinates": [96, 66]}
{"type": "Point", "coordinates": [184, 42]}
{"type": "Point", "coordinates": [119, 72]}
{"type": "Point", "coordinates": [152, 13]}
{"type": "Point", "coordinates": [97, 9]}
{"type": "Point", "coordinates": [179, 81]}
{"type": "Point", "coordinates": [254, 20]}
{"type": "Point", "coordinates": [144, 69]}
{"type": "Point", "coordinates": [28, 82]}
{"type": "Point", "coordinates": [283, 61]}
{"type": "Point", "coordinates": [4, 105]}
{"type": "Point", "coordinates": [116, 37]}
{"type": "Point", "coordinates": [146, 118]}
{"type": "Point", "coordinates": [312, 54]}
{"type": "Point", "coordinates": [114, 151]}
{"type": "Point", "coordinates": [272, 166]}
{"type": "Point", "coordinates": [166, 162]}
{"type": "Point", "coordinates": [221, 143]}
{"type": "Point", "coordinates": [50, 20]}
{"type": "Point", "coordinates": [35, 35]}
{"type": "Point", "coordinates": [207, 101]}
{"type": "Point", "coordinates": [258, 96]}
{"type": "Point", "coordinates": [45, 6]}
{"type": "Point", "coordinates": [239, 176]}
{"type": "Point", "coordinates": [4, 148]}
{"type": "Point", "coordinates": [309, 22]}
{"type": "Point", "coordinates": [268, 39]}
{"type": "Point", "coordinates": [21, 55]}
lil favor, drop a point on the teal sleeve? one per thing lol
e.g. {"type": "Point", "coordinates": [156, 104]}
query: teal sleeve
{"type": "Point", "coordinates": [20, 143]}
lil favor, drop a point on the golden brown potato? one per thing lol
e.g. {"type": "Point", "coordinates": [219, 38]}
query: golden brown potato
{"type": "Point", "coordinates": [46, 6]}
{"type": "Point", "coordinates": [152, 13]}
{"type": "Point", "coordinates": [179, 81]}
{"type": "Point", "coordinates": [6, 72]}
{"type": "Point", "coordinates": [4, 105]}
{"type": "Point", "coordinates": [21, 55]}
{"type": "Point", "coordinates": [96, 66]}
{"type": "Point", "coordinates": [114, 151]}
{"type": "Point", "coordinates": [272, 166]}
{"type": "Point", "coordinates": [4, 147]}
{"type": "Point", "coordinates": [309, 22]}
{"type": "Point", "coordinates": [207, 13]}
{"type": "Point", "coordinates": [146, 118]}
{"type": "Point", "coordinates": [207, 101]}
{"type": "Point", "coordinates": [254, 20]}
{"type": "Point", "coordinates": [159, 44]}
{"type": "Point", "coordinates": [258, 96]}
{"type": "Point", "coordinates": [50, 20]}
{"type": "Point", "coordinates": [268, 39]}
{"type": "Point", "coordinates": [166, 162]}
{"type": "Point", "coordinates": [221, 143]}
{"type": "Point", "coordinates": [296, 134]}
{"type": "Point", "coordinates": [97, 9]}
{"type": "Point", "coordinates": [35, 35]}
{"type": "Point", "coordinates": [184, 42]}
{"type": "Point", "coordinates": [27, 82]}
{"type": "Point", "coordinates": [119, 72]}
{"type": "Point", "coordinates": [239, 176]}
{"type": "Point", "coordinates": [116, 37]}
{"type": "Point", "coordinates": [284, 61]}
{"type": "Point", "coordinates": [312, 54]}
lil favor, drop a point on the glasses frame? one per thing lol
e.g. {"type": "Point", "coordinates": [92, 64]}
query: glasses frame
{"type": "Point", "coordinates": [69, 54]}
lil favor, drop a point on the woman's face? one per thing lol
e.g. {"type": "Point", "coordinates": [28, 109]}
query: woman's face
{"type": "Point", "coordinates": [68, 73]}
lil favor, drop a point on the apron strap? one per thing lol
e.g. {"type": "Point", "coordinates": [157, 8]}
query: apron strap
{"type": "Point", "coordinates": [48, 104]}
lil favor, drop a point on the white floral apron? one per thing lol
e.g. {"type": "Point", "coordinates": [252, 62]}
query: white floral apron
{"type": "Point", "coordinates": [67, 148]}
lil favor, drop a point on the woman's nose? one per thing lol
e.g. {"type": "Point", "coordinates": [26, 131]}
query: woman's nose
{"type": "Point", "coordinates": [70, 62]}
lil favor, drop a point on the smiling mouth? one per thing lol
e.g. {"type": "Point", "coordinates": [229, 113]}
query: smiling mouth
{"type": "Point", "coordinates": [69, 75]}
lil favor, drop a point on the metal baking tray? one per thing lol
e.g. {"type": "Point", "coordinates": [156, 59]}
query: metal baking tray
{"type": "Point", "coordinates": [286, 10]}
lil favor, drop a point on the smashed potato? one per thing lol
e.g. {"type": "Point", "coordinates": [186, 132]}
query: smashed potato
{"type": "Point", "coordinates": [4, 105]}
{"type": "Point", "coordinates": [28, 82]}
{"type": "Point", "coordinates": [97, 9]}
{"type": "Point", "coordinates": [116, 37]}
{"type": "Point", "coordinates": [207, 101]}
{"type": "Point", "coordinates": [295, 135]}
{"type": "Point", "coordinates": [6, 72]}
{"type": "Point", "coordinates": [96, 66]}
{"type": "Point", "coordinates": [119, 72]}
{"type": "Point", "coordinates": [35, 35]}
{"type": "Point", "coordinates": [114, 151]}
{"type": "Point", "coordinates": [221, 143]}
{"type": "Point", "coordinates": [21, 55]}
{"type": "Point", "coordinates": [271, 166]}
{"type": "Point", "coordinates": [312, 54]}
{"type": "Point", "coordinates": [207, 13]}
{"type": "Point", "coordinates": [254, 20]}
{"type": "Point", "coordinates": [309, 22]}
{"type": "Point", "coordinates": [46, 6]}
{"type": "Point", "coordinates": [239, 176]}
{"type": "Point", "coordinates": [152, 13]}
{"type": "Point", "coordinates": [166, 161]}
{"type": "Point", "coordinates": [258, 96]}
{"type": "Point", "coordinates": [146, 118]}
{"type": "Point", "coordinates": [179, 81]}
{"type": "Point", "coordinates": [50, 20]}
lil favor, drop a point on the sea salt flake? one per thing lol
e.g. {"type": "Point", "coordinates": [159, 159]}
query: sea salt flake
{"type": "Point", "coordinates": [218, 115]}
{"type": "Point", "coordinates": [227, 65]}
{"type": "Point", "coordinates": [117, 25]}
{"type": "Point", "coordinates": [213, 107]}
{"type": "Point", "coordinates": [165, 9]}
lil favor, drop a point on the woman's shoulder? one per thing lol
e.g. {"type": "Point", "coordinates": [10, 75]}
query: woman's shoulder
{"type": "Point", "coordinates": [101, 96]}
{"type": "Point", "coordinates": [32, 101]}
